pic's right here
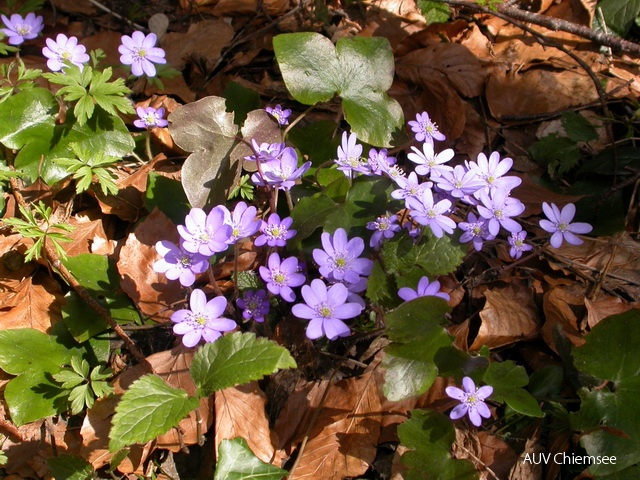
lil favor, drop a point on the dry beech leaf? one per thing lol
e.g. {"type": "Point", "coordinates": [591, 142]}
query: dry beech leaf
{"type": "Point", "coordinates": [198, 43]}
{"type": "Point", "coordinates": [509, 315]}
{"type": "Point", "coordinates": [496, 454]}
{"type": "Point", "coordinates": [244, 7]}
{"type": "Point", "coordinates": [88, 226]}
{"type": "Point", "coordinates": [344, 438]}
{"type": "Point", "coordinates": [240, 412]}
{"type": "Point", "coordinates": [537, 91]}
{"type": "Point", "coordinates": [152, 292]}
{"type": "Point", "coordinates": [605, 306]}
{"type": "Point", "coordinates": [559, 306]}
{"type": "Point", "coordinates": [35, 303]}
{"type": "Point", "coordinates": [527, 470]}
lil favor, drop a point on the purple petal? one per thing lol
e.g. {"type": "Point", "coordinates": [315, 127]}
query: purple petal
{"type": "Point", "coordinates": [475, 417]}
{"type": "Point", "coordinates": [314, 329]}
{"type": "Point", "coordinates": [347, 310]}
{"type": "Point", "coordinates": [455, 392]}
{"type": "Point", "coordinates": [198, 301]}
{"type": "Point", "coordinates": [335, 328]}
{"type": "Point", "coordinates": [182, 328]}
{"type": "Point", "coordinates": [301, 310]}
{"type": "Point", "coordinates": [484, 392]}
{"type": "Point", "coordinates": [483, 409]}
{"type": "Point", "coordinates": [192, 338]}
{"type": "Point", "coordinates": [468, 385]}
{"type": "Point", "coordinates": [459, 411]}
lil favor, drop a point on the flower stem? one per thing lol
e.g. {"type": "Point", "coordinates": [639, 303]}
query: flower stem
{"type": "Point", "coordinates": [147, 145]}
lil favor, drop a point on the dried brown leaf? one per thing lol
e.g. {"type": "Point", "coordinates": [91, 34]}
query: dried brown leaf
{"type": "Point", "coordinates": [198, 43]}
{"type": "Point", "coordinates": [89, 229]}
{"type": "Point", "coordinates": [240, 412]}
{"type": "Point", "coordinates": [509, 315]}
{"type": "Point", "coordinates": [605, 306]}
{"type": "Point", "coordinates": [560, 306]}
{"type": "Point", "coordinates": [343, 441]}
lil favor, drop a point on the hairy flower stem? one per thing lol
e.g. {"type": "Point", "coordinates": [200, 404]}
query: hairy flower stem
{"type": "Point", "coordinates": [236, 252]}
{"type": "Point", "coordinates": [292, 124]}
{"type": "Point", "coordinates": [147, 144]}
{"type": "Point", "coordinates": [287, 194]}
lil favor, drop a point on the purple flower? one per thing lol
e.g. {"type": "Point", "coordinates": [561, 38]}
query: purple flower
{"type": "Point", "coordinates": [425, 130]}
{"type": "Point", "coordinates": [265, 151]}
{"type": "Point", "coordinates": [409, 187]}
{"type": "Point", "coordinates": [205, 234]}
{"type": "Point", "coordinates": [326, 308]}
{"type": "Point", "coordinates": [242, 221]}
{"type": "Point", "coordinates": [20, 29]}
{"type": "Point", "coordinates": [476, 230]}
{"type": "Point", "coordinates": [491, 173]}
{"type": "Point", "coordinates": [254, 305]}
{"type": "Point", "coordinates": [383, 227]}
{"type": "Point", "coordinates": [425, 289]}
{"type": "Point", "coordinates": [149, 117]}
{"type": "Point", "coordinates": [559, 224]}
{"type": "Point", "coordinates": [497, 208]}
{"type": "Point", "coordinates": [281, 172]}
{"type": "Point", "coordinates": [425, 211]}
{"type": "Point", "coordinates": [177, 263]}
{"type": "Point", "coordinates": [204, 320]}
{"type": "Point", "coordinates": [64, 50]}
{"type": "Point", "coordinates": [458, 182]}
{"type": "Point", "coordinates": [518, 247]}
{"type": "Point", "coordinates": [282, 276]}
{"type": "Point", "coordinates": [275, 232]}
{"type": "Point", "coordinates": [339, 258]}
{"type": "Point", "coordinates": [282, 116]}
{"type": "Point", "coordinates": [428, 162]}
{"type": "Point", "coordinates": [472, 401]}
{"type": "Point", "coordinates": [350, 156]}
{"type": "Point", "coordinates": [378, 161]}
{"type": "Point", "coordinates": [139, 51]}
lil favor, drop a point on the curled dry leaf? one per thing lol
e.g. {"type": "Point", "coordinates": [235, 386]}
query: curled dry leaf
{"type": "Point", "coordinates": [560, 306]}
{"type": "Point", "coordinates": [151, 292]}
{"type": "Point", "coordinates": [198, 44]}
{"type": "Point", "coordinates": [605, 306]}
{"type": "Point", "coordinates": [509, 315]}
{"type": "Point", "coordinates": [89, 228]}
{"type": "Point", "coordinates": [240, 412]}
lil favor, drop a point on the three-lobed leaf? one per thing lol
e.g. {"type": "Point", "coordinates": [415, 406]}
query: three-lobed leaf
{"type": "Point", "coordinates": [150, 407]}
{"type": "Point", "coordinates": [358, 69]}
{"type": "Point", "coordinates": [237, 359]}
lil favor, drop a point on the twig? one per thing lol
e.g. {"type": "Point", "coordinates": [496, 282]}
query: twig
{"type": "Point", "coordinates": [554, 24]}
{"type": "Point", "coordinates": [54, 260]}
{"type": "Point", "coordinates": [117, 15]}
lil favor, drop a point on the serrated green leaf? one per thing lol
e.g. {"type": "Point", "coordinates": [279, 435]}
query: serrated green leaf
{"type": "Point", "coordinates": [80, 397]}
{"type": "Point", "coordinates": [578, 128]}
{"type": "Point", "coordinates": [68, 379]}
{"type": "Point", "coordinates": [434, 12]}
{"type": "Point", "coordinates": [147, 409]}
{"type": "Point", "coordinates": [102, 133]}
{"type": "Point", "coordinates": [237, 359]}
{"type": "Point", "coordinates": [207, 130]}
{"type": "Point", "coordinates": [236, 461]}
{"type": "Point", "coordinates": [380, 286]}
{"type": "Point", "coordinates": [429, 436]}
{"type": "Point", "coordinates": [358, 69]}
{"type": "Point", "coordinates": [70, 467]}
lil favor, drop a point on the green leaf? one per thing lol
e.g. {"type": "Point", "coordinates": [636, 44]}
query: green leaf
{"type": "Point", "coordinates": [310, 213]}
{"type": "Point", "coordinates": [240, 101]}
{"type": "Point", "coordinates": [416, 320]}
{"type": "Point", "coordinates": [434, 12]}
{"type": "Point", "coordinates": [380, 287]}
{"type": "Point", "coordinates": [237, 359]}
{"type": "Point", "coordinates": [358, 69]}
{"type": "Point", "coordinates": [207, 130]}
{"type": "Point", "coordinates": [610, 350]}
{"type": "Point", "coordinates": [507, 378]}
{"type": "Point", "coordinates": [147, 409]}
{"type": "Point", "coordinates": [102, 133]}
{"type": "Point", "coordinates": [236, 461]}
{"type": "Point", "coordinates": [429, 436]}
{"type": "Point", "coordinates": [167, 195]}
{"type": "Point", "coordinates": [411, 367]}
{"type": "Point", "coordinates": [100, 277]}
{"type": "Point", "coordinates": [317, 141]}
{"type": "Point", "coordinates": [578, 128]}
{"type": "Point", "coordinates": [611, 418]}
{"type": "Point", "coordinates": [558, 154]}
{"type": "Point", "coordinates": [70, 467]}
{"type": "Point", "coordinates": [619, 15]}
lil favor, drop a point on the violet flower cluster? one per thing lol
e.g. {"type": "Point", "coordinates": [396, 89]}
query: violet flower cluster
{"type": "Point", "coordinates": [19, 29]}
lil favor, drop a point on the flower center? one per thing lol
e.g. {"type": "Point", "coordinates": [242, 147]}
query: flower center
{"type": "Point", "coordinates": [562, 227]}
{"type": "Point", "coordinates": [340, 262]}
{"type": "Point", "coordinates": [491, 179]}
{"type": "Point", "coordinates": [141, 53]}
{"type": "Point", "coordinates": [23, 29]}
{"type": "Point", "coordinates": [150, 119]}
{"type": "Point", "coordinates": [276, 231]}
{"type": "Point", "coordinates": [471, 399]}
{"type": "Point", "coordinates": [66, 55]}
{"type": "Point", "coordinates": [279, 278]}
{"type": "Point", "coordinates": [200, 319]}
{"type": "Point", "coordinates": [324, 310]}
{"type": "Point", "coordinates": [498, 213]}
{"type": "Point", "coordinates": [476, 229]}
{"type": "Point", "coordinates": [431, 213]}
{"type": "Point", "coordinates": [185, 261]}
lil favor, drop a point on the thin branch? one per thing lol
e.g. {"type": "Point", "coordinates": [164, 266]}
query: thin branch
{"type": "Point", "coordinates": [117, 15]}
{"type": "Point", "coordinates": [54, 260]}
{"type": "Point", "coordinates": [555, 24]}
